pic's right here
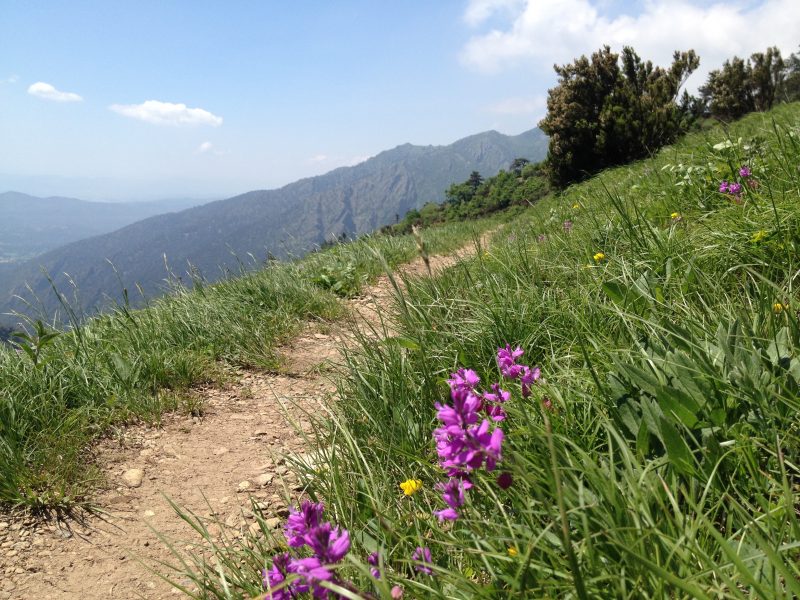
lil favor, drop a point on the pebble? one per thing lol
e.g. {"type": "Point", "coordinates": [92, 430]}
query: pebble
{"type": "Point", "coordinates": [273, 523]}
{"type": "Point", "coordinates": [264, 479]}
{"type": "Point", "coordinates": [133, 477]}
{"type": "Point", "coordinates": [243, 486]}
{"type": "Point", "coordinates": [149, 513]}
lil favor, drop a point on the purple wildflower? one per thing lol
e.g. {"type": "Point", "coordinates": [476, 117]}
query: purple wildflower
{"type": "Point", "coordinates": [374, 559]}
{"type": "Point", "coordinates": [507, 361]}
{"type": "Point", "coordinates": [300, 522]}
{"type": "Point", "coordinates": [397, 592]}
{"type": "Point", "coordinates": [541, 238]}
{"type": "Point", "coordinates": [328, 543]}
{"type": "Point", "coordinates": [723, 187]}
{"type": "Point", "coordinates": [745, 171]}
{"type": "Point", "coordinates": [505, 480]}
{"type": "Point", "coordinates": [311, 571]}
{"type": "Point", "coordinates": [735, 189]}
{"type": "Point", "coordinates": [422, 556]}
{"type": "Point", "coordinates": [490, 445]}
{"type": "Point", "coordinates": [453, 492]}
{"type": "Point", "coordinates": [495, 412]}
{"type": "Point", "coordinates": [492, 400]}
{"type": "Point", "coordinates": [464, 380]}
{"type": "Point", "coordinates": [567, 226]}
{"type": "Point", "coordinates": [453, 495]}
{"type": "Point", "coordinates": [446, 514]}
{"type": "Point", "coordinates": [527, 378]}
{"type": "Point", "coordinates": [464, 450]}
{"type": "Point", "coordinates": [463, 412]}
{"type": "Point", "coordinates": [276, 576]}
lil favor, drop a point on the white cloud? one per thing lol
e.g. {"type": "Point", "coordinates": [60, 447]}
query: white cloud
{"type": "Point", "coordinates": [40, 89]}
{"type": "Point", "coordinates": [479, 11]}
{"type": "Point", "coordinates": [520, 106]}
{"type": "Point", "coordinates": [542, 32]}
{"type": "Point", "coordinates": [167, 113]}
{"type": "Point", "coordinates": [10, 79]}
{"type": "Point", "coordinates": [204, 147]}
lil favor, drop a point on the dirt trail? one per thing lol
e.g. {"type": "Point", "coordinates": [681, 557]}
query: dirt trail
{"type": "Point", "coordinates": [211, 465]}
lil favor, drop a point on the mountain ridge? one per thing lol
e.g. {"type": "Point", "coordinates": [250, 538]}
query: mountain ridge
{"type": "Point", "coordinates": [224, 235]}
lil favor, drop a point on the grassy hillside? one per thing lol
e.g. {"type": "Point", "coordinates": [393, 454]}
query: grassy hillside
{"type": "Point", "coordinates": [657, 455]}
{"type": "Point", "coordinates": [59, 393]}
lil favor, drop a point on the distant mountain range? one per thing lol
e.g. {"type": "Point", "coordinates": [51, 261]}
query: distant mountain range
{"type": "Point", "coordinates": [30, 226]}
{"type": "Point", "coordinates": [217, 237]}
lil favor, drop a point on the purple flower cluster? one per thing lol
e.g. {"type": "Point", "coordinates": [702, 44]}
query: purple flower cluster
{"type": "Point", "coordinates": [329, 545]}
{"type": "Point", "coordinates": [465, 442]}
{"type": "Point", "coordinates": [733, 188]}
{"type": "Point", "coordinates": [567, 226]}
{"type": "Point", "coordinates": [736, 189]}
{"type": "Point", "coordinates": [422, 556]}
{"type": "Point", "coordinates": [507, 360]}
{"type": "Point", "coordinates": [374, 561]}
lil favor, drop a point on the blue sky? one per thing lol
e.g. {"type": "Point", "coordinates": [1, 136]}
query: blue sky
{"type": "Point", "coordinates": [249, 95]}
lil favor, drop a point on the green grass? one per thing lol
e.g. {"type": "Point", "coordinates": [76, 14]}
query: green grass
{"type": "Point", "coordinates": [138, 364]}
{"type": "Point", "coordinates": [658, 457]}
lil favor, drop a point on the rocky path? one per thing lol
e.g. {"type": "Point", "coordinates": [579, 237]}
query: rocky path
{"type": "Point", "coordinates": [212, 465]}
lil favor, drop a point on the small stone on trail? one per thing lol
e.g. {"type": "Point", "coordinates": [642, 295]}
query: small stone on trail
{"type": "Point", "coordinates": [133, 477]}
{"type": "Point", "coordinates": [273, 523]}
{"type": "Point", "coordinates": [254, 529]}
{"type": "Point", "coordinates": [243, 486]}
{"type": "Point", "coordinates": [260, 432]}
{"type": "Point", "coordinates": [281, 470]}
{"type": "Point", "coordinates": [264, 480]}
{"type": "Point", "coordinates": [149, 513]}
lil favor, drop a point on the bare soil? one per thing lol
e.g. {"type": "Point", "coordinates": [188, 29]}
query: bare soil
{"type": "Point", "coordinates": [212, 465]}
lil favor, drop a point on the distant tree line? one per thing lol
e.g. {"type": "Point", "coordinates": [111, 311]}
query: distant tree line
{"type": "Point", "coordinates": [610, 109]}
{"type": "Point", "coordinates": [522, 184]}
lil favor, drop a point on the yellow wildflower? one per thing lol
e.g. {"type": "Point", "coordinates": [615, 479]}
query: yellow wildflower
{"type": "Point", "coordinates": [576, 206]}
{"type": "Point", "coordinates": [599, 257]}
{"type": "Point", "coordinates": [512, 552]}
{"type": "Point", "coordinates": [778, 308]}
{"type": "Point", "coordinates": [675, 216]}
{"type": "Point", "coordinates": [411, 486]}
{"type": "Point", "coordinates": [758, 236]}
